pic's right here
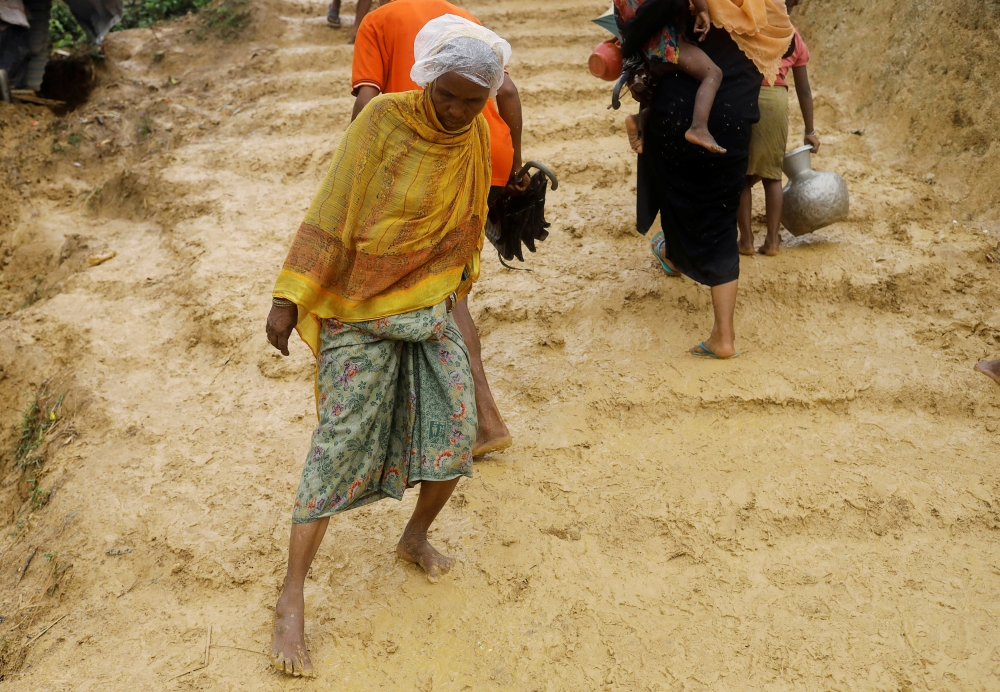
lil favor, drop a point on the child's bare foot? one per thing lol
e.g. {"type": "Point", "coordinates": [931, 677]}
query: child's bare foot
{"type": "Point", "coordinates": [703, 138]}
{"type": "Point", "coordinates": [416, 550]}
{"type": "Point", "coordinates": [771, 246]}
{"type": "Point", "coordinates": [632, 127]}
{"type": "Point", "coordinates": [746, 244]}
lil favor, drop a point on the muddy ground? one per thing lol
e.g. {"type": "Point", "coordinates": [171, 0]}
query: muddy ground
{"type": "Point", "coordinates": [822, 513]}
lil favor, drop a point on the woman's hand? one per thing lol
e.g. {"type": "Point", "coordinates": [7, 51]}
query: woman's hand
{"type": "Point", "coordinates": [280, 323]}
{"type": "Point", "coordinates": [813, 141]}
{"type": "Point", "coordinates": [702, 24]}
{"type": "Point", "coordinates": [513, 184]}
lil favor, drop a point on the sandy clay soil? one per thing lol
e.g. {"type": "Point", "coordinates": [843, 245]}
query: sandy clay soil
{"type": "Point", "coordinates": [822, 513]}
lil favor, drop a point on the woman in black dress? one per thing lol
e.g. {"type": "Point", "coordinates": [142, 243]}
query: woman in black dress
{"type": "Point", "coordinates": [696, 192]}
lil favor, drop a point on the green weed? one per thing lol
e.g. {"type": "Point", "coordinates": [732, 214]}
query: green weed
{"type": "Point", "coordinates": [64, 30]}
{"type": "Point", "coordinates": [226, 18]}
{"type": "Point", "coordinates": [38, 418]}
{"type": "Point", "coordinates": [144, 127]}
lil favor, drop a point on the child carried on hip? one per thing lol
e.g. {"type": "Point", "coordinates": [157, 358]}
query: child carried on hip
{"type": "Point", "coordinates": [666, 51]}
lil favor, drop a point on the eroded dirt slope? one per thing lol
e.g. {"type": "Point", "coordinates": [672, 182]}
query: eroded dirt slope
{"type": "Point", "coordinates": [820, 514]}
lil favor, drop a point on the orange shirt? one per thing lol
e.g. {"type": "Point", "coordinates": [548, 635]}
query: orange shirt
{"type": "Point", "coordinates": [383, 57]}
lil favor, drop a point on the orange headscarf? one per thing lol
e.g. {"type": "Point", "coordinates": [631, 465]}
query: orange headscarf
{"type": "Point", "coordinates": [761, 29]}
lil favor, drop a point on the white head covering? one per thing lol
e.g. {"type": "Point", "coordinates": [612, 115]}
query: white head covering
{"type": "Point", "coordinates": [453, 44]}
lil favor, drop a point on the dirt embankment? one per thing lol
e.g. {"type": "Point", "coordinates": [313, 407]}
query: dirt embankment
{"type": "Point", "coordinates": [820, 514]}
{"type": "Point", "coordinates": [921, 80]}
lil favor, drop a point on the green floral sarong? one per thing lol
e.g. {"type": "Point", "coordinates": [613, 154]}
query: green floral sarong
{"type": "Point", "coordinates": [396, 407]}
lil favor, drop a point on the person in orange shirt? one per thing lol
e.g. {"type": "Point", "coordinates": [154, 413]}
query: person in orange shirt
{"type": "Point", "coordinates": [383, 58]}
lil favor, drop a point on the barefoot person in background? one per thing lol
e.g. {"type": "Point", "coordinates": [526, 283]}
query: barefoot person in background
{"type": "Point", "coordinates": [768, 142]}
{"type": "Point", "coordinates": [990, 368]}
{"type": "Point", "coordinates": [388, 248]}
{"type": "Point", "coordinates": [383, 57]}
{"type": "Point", "coordinates": [333, 16]}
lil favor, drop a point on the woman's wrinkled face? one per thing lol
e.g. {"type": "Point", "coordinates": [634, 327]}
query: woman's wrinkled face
{"type": "Point", "coordinates": [457, 101]}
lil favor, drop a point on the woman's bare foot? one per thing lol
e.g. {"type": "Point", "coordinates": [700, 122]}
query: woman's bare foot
{"type": "Point", "coordinates": [486, 445]}
{"type": "Point", "coordinates": [634, 131]}
{"type": "Point", "coordinates": [288, 641]}
{"type": "Point", "coordinates": [416, 550]}
{"type": "Point", "coordinates": [771, 246]}
{"type": "Point", "coordinates": [746, 244]}
{"type": "Point", "coordinates": [703, 138]}
{"type": "Point", "coordinates": [990, 368]}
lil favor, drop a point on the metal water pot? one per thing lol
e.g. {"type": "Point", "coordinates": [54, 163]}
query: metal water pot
{"type": "Point", "coordinates": [812, 199]}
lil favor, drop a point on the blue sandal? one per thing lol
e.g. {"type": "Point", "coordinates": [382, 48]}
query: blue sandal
{"type": "Point", "coordinates": [655, 243]}
{"type": "Point", "coordinates": [705, 352]}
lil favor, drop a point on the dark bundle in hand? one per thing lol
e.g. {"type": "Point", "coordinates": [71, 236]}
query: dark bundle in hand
{"type": "Point", "coordinates": [518, 218]}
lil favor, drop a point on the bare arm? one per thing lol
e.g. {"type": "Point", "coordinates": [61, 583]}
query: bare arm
{"type": "Point", "coordinates": [365, 94]}
{"type": "Point", "coordinates": [509, 105]}
{"type": "Point", "coordinates": [363, 7]}
{"type": "Point", "coordinates": [804, 93]}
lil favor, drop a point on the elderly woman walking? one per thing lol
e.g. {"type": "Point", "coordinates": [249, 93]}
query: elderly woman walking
{"type": "Point", "coordinates": [389, 246]}
{"type": "Point", "coordinates": [697, 192]}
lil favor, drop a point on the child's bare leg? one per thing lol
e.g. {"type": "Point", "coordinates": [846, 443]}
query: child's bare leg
{"type": "Point", "coordinates": [744, 216]}
{"type": "Point", "coordinates": [635, 127]}
{"type": "Point", "coordinates": [695, 62]}
{"type": "Point", "coordinates": [773, 198]}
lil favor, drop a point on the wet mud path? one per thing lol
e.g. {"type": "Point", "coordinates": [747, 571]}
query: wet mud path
{"type": "Point", "coordinates": [821, 513]}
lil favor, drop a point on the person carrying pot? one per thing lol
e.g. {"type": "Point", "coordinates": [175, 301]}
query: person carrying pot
{"type": "Point", "coordinates": [768, 142]}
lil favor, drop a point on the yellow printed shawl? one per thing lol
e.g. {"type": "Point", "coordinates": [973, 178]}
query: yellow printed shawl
{"type": "Point", "coordinates": [761, 29]}
{"type": "Point", "coordinates": [397, 221]}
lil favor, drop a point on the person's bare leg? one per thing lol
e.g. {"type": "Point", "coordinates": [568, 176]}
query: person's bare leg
{"type": "Point", "coordinates": [744, 216]}
{"type": "Point", "coordinates": [492, 434]}
{"type": "Point", "coordinates": [364, 6]}
{"type": "Point", "coordinates": [722, 342]}
{"type": "Point", "coordinates": [413, 546]}
{"type": "Point", "coordinates": [288, 642]}
{"type": "Point", "coordinates": [693, 61]}
{"type": "Point", "coordinates": [990, 368]}
{"type": "Point", "coordinates": [333, 14]}
{"type": "Point", "coordinates": [773, 198]}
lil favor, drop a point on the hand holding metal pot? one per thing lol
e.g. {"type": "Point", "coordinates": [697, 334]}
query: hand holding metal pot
{"type": "Point", "coordinates": [812, 199]}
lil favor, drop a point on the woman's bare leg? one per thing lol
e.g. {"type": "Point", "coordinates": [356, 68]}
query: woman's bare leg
{"type": "Point", "coordinates": [773, 199]}
{"type": "Point", "coordinates": [288, 643]}
{"type": "Point", "coordinates": [413, 546]}
{"type": "Point", "coordinates": [492, 434]}
{"type": "Point", "coordinates": [722, 342]}
{"type": "Point", "coordinates": [744, 216]}
{"type": "Point", "coordinates": [693, 61]}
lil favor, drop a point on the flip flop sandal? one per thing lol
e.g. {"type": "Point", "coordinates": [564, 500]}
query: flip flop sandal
{"type": "Point", "coordinates": [705, 352]}
{"type": "Point", "coordinates": [333, 23]}
{"type": "Point", "coordinates": [655, 243]}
